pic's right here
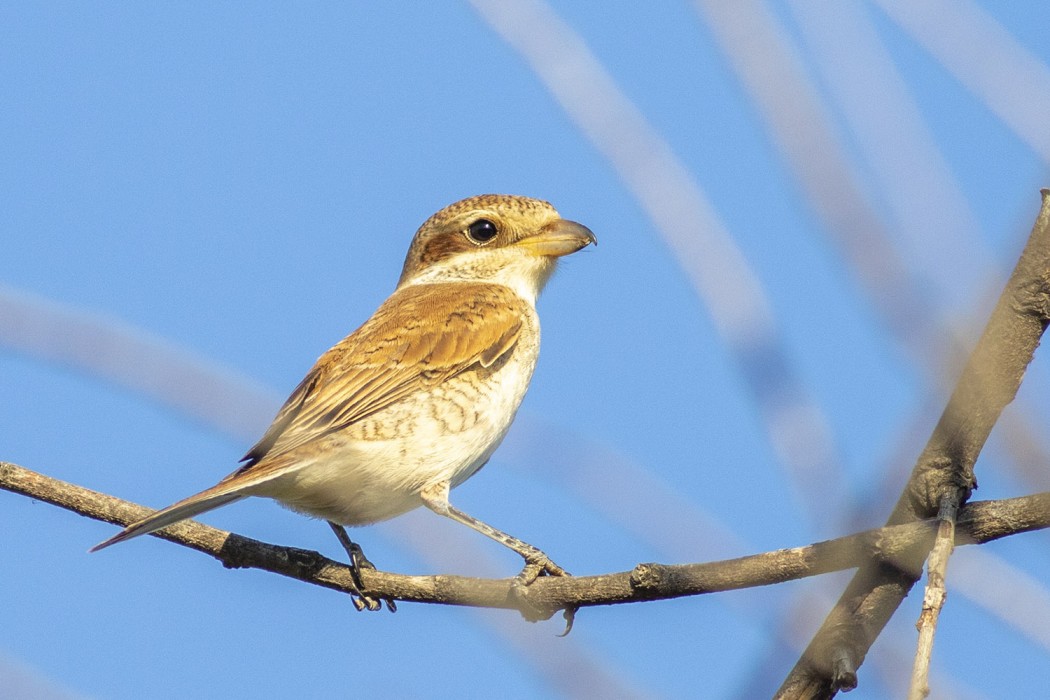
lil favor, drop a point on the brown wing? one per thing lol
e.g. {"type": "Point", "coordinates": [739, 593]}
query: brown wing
{"type": "Point", "coordinates": [420, 336]}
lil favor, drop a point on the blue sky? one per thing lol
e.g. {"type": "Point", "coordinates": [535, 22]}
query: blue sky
{"type": "Point", "coordinates": [732, 369]}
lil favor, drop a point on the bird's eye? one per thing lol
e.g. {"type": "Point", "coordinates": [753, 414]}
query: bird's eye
{"type": "Point", "coordinates": [482, 231]}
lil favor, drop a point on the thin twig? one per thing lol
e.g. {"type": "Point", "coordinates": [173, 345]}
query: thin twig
{"type": "Point", "coordinates": [978, 523]}
{"type": "Point", "coordinates": [933, 600]}
{"type": "Point", "coordinates": [988, 383]}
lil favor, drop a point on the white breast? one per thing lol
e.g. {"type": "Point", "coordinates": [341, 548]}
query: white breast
{"type": "Point", "coordinates": [367, 474]}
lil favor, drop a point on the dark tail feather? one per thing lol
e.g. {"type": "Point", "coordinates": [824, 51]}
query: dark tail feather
{"type": "Point", "coordinates": [194, 505]}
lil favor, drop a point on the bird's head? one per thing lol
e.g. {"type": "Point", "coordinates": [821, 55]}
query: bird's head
{"type": "Point", "coordinates": [501, 239]}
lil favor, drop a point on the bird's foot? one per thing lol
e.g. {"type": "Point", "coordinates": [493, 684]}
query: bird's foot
{"type": "Point", "coordinates": [359, 562]}
{"type": "Point", "coordinates": [536, 566]}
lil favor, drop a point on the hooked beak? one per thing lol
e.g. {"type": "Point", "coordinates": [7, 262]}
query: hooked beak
{"type": "Point", "coordinates": [558, 238]}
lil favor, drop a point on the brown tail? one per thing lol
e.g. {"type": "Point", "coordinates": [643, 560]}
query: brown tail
{"type": "Point", "coordinates": [240, 484]}
{"type": "Point", "coordinates": [194, 505]}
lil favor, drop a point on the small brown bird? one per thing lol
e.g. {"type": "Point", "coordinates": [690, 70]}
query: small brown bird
{"type": "Point", "coordinates": [416, 400]}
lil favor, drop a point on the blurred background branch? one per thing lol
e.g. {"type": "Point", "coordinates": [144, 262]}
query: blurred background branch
{"type": "Point", "coordinates": [806, 209]}
{"type": "Point", "coordinates": [989, 382]}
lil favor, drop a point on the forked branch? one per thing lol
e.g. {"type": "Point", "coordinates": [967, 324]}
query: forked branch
{"type": "Point", "coordinates": [945, 468]}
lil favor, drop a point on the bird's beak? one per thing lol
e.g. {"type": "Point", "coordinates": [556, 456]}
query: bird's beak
{"type": "Point", "coordinates": [558, 238]}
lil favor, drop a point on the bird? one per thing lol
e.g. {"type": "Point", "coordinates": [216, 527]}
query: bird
{"type": "Point", "coordinates": [415, 401]}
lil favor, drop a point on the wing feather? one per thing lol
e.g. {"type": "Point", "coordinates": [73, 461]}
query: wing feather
{"type": "Point", "coordinates": [421, 335]}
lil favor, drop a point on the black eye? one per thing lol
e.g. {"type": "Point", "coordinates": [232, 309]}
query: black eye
{"type": "Point", "coordinates": [482, 231]}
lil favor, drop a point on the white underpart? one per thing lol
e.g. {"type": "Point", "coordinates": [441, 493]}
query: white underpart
{"type": "Point", "coordinates": [356, 481]}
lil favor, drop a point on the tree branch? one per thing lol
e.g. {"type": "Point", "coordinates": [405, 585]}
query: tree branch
{"type": "Point", "coordinates": [978, 523]}
{"type": "Point", "coordinates": [933, 600]}
{"type": "Point", "coordinates": [988, 383]}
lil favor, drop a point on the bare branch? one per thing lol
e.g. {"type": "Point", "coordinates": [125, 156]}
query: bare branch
{"type": "Point", "coordinates": [946, 466]}
{"type": "Point", "coordinates": [978, 523]}
{"type": "Point", "coordinates": [933, 600]}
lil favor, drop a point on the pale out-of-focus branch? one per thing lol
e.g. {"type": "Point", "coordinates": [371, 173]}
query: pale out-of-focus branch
{"type": "Point", "coordinates": [978, 523]}
{"type": "Point", "coordinates": [688, 222]}
{"type": "Point", "coordinates": [988, 383]}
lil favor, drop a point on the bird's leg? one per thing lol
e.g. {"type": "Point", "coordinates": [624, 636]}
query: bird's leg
{"type": "Point", "coordinates": [435, 497]}
{"type": "Point", "coordinates": [358, 561]}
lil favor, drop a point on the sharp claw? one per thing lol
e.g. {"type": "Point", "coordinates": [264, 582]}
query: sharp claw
{"type": "Point", "coordinates": [359, 599]}
{"type": "Point", "coordinates": [570, 617]}
{"type": "Point", "coordinates": [362, 601]}
{"type": "Point", "coordinates": [534, 568]}
{"type": "Point", "coordinates": [358, 561]}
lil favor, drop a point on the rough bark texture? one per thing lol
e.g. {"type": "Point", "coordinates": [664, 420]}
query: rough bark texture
{"type": "Point", "coordinates": [988, 383]}
{"type": "Point", "coordinates": [978, 523]}
{"type": "Point", "coordinates": [889, 559]}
